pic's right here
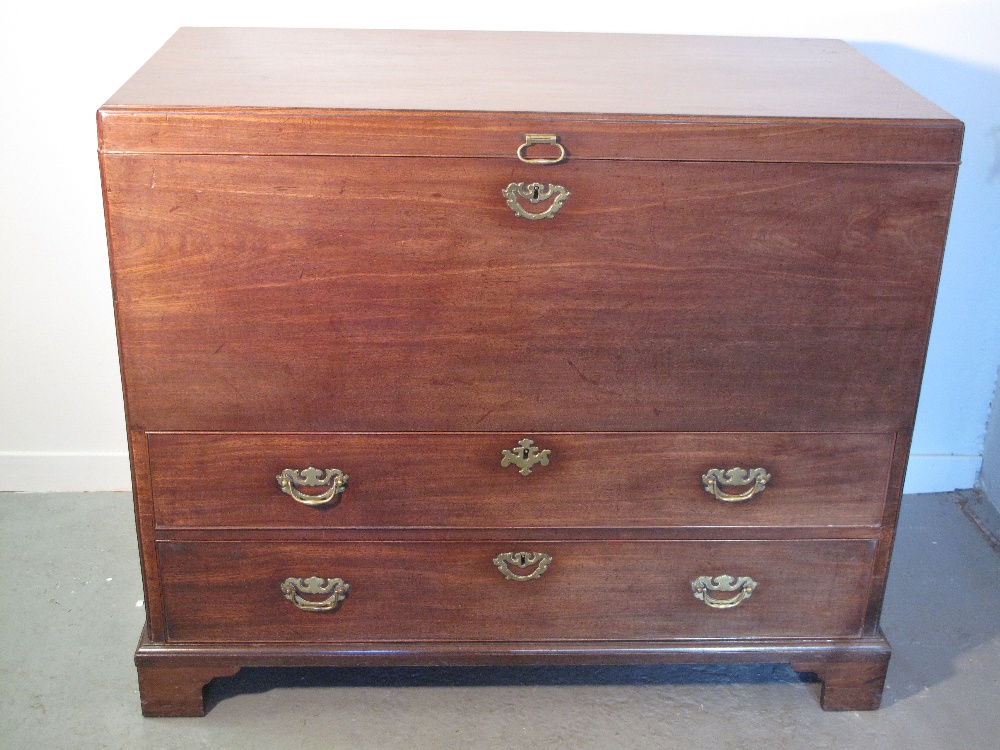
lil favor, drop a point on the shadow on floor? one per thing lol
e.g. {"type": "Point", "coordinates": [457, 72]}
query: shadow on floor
{"type": "Point", "coordinates": [264, 679]}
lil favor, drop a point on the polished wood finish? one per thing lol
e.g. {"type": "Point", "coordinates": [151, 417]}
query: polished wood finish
{"type": "Point", "coordinates": [335, 69]}
{"type": "Point", "coordinates": [449, 480]}
{"type": "Point", "coordinates": [313, 264]}
{"type": "Point", "coordinates": [452, 591]}
{"type": "Point", "coordinates": [894, 496]}
{"type": "Point", "coordinates": [385, 93]}
{"type": "Point", "coordinates": [633, 309]}
{"type": "Point", "coordinates": [146, 527]}
{"type": "Point", "coordinates": [420, 653]}
{"type": "Point", "coordinates": [865, 657]}
{"type": "Point", "coordinates": [176, 691]}
{"type": "Point", "coordinates": [497, 135]}
{"type": "Point", "coordinates": [848, 685]}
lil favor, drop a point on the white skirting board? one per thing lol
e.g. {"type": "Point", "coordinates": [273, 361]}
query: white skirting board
{"type": "Point", "coordinates": [98, 472]}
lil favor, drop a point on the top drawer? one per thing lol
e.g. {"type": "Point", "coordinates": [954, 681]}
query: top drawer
{"type": "Point", "coordinates": [299, 293]}
{"type": "Point", "coordinates": [471, 480]}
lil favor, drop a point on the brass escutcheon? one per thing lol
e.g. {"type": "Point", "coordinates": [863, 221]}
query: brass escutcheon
{"type": "Point", "coordinates": [522, 560]}
{"type": "Point", "coordinates": [737, 477]}
{"type": "Point", "coordinates": [524, 456]}
{"type": "Point", "coordinates": [336, 587]}
{"type": "Point", "coordinates": [289, 480]}
{"type": "Point", "coordinates": [535, 192]}
{"type": "Point", "coordinates": [532, 139]}
{"type": "Point", "coordinates": [701, 585]}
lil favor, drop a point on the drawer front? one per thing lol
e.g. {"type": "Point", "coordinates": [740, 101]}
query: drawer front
{"type": "Point", "coordinates": [610, 480]}
{"type": "Point", "coordinates": [348, 293]}
{"type": "Point", "coordinates": [441, 591]}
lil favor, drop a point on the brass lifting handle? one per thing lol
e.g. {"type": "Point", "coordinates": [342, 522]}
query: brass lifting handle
{"type": "Point", "coordinates": [532, 139]}
{"type": "Point", "coordinates": [702, 585]}
{"type": "Point", "coordinates": [535, 193]}
{"type": "Point", "coordinates": [522, 560]}
{"type": "Point", "coordinates": [289, 480]}
{"type": "Point", "coordinates": [337, 589]}
{"type": "Point", "coordinates": [714, 478]}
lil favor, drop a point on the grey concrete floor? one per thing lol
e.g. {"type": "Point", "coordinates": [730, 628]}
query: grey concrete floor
{"type": "Point", "coordinates": [71, 611]}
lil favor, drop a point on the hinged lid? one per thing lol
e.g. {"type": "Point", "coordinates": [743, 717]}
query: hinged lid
{"type": "Point", "coordinates": [607, 96]}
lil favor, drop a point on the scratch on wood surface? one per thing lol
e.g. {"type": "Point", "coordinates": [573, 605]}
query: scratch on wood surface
{"type": "Point", "coordinates": [579, 372]}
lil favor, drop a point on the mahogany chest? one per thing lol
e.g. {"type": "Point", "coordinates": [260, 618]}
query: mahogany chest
{"type": "Point", "coordinates": [510, 348]}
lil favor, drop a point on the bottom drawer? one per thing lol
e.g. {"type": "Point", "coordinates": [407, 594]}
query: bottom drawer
{"type": "Point", "coordinates": [455, 591]}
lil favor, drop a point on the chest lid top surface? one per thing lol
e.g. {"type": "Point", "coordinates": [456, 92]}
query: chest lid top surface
{"type": "Point", "coordinates": [426, 81]}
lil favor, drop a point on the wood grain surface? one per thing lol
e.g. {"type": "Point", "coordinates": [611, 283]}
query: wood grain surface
{"type": "Point", "coordinates": [167, 673]}
{"type": "Point", "coordinates": [498, 135]}
{"type": "Point", "coordinates": [176, 691]}
{"type": "Point", "coordinates": [848, 685]}
{"type": "Point", "coordinates": [355, 294]}
{"type": "Point", "coordinates": [421, 93]}
{"type": "Point", "coordinates": [434, 481]}
{"type": "Point", "coordinates": [519, 72]}
{"type": "Point", "coordinates": [444, 591]}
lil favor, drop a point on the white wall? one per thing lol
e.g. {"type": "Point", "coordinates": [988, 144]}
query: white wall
{"type": "Point", "coordinates": [61, 419]}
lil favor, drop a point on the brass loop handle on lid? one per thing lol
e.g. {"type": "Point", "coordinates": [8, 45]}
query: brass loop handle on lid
{"type": "Point", "coordinates": [534, 193]}
{"type": "Point", "coordinates": [524, 456]}
{"type": "Point", "coordinates": [702, 585]}
{"type": "Point", "coordinates": [713, 479]}
{"type": "Point", "coordinates": [522, 560]}
{"type": "Point", "coordinates": [532, 139]}
{"type": "Point", "coordinates": [289, 480]}
{"type": "Point", "coordinates": [293, 588]}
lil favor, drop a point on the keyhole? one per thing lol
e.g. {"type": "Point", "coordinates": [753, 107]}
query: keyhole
{"type": "Point", "coordinates": [534, 193]}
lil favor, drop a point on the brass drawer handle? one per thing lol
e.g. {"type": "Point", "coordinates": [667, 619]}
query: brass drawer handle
{"type": "Point", "coordinates": [289, 480]}
{"type": "Point", "coordinates": [522, 560]}
{"type": "Point", "coordinates": [737, 477]}
{"type": "Point", "coordinates": [535, 192]}
{"type": "Point", "coordinates": [701, 585]}
{"type": "Point", "coordinates": [524, 456]}
{"type": "Point", "coordinates": [532, 139]}
{"type": "Point", "coordinates": [335, 587]}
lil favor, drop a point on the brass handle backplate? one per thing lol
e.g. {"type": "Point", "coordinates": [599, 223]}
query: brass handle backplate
{"type": "Point", "coordinates": [532, 139]}
{"type": "Point", "coordinates": [289, 480]}
{"type": "Point", "coordinates": [535, 192]}
{"type": "Point", "coordinates": [702, 585]}
{"type": "Point", "coordinates": [522, 560]}
{"type": "Point", "coordinates": [713, 479]}
{"type": "Point", "coordinates": [337, 589]}
{"type": "Point", "coordinates": [524, 456]}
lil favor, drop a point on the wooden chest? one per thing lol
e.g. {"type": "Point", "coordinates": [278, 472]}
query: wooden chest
{"type": "Point", "coordinates": [472, 348]}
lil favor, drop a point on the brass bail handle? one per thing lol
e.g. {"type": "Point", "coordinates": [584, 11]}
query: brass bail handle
{"type": "Point", "coordinates": [336, 588]}
{"type": "Point", "coordinates": [536, 139]}
{"type": "Point", "coordinates": [715, 479]}
{"type": "Point", "coordinates": [743, 586]}
{"type": "Point", "coordinates": [334, 480]}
